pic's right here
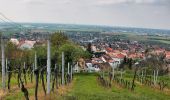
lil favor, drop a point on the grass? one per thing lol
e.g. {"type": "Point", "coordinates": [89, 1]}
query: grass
{"type": "Point", "coordinates": [145, 39]}
{"type": "Point", "coordinates": [163, 41]}
{"type": "Point", "coordinates": [86, 87]}
{"type": "Point", "coordinates": [165, 78]}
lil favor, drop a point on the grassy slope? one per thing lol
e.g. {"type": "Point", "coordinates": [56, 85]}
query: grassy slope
{"type": "Point", "coordinates": [87, 88]}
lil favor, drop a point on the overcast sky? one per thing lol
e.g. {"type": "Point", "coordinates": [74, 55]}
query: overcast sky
{"type": "Point", "coordinates": [129, 13]}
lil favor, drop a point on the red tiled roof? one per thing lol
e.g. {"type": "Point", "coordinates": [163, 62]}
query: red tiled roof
{"type": "Point", "coordinates": [115, 51]}
{"type": "Point", "coordinates": [120, 56]}
{"type": "Point", "coordinates": [167, 54]}
{"type": "Point", "coordinates": [109, 49]}
{"type": "Point", "coordinates": [111, 61]}
{"type": "Point", "coordinates": [135, 55]}
{"type": "Point", "coordinates": [20, 43]}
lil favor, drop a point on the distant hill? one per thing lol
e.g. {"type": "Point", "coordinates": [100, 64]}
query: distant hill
{"type": "Point", "coordinates": [75, 27]}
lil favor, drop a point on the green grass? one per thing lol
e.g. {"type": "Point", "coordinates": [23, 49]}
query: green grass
{"type": "Point", "coordinates": [146, 39]}
{"type": "Point", "coordinates": [163, 41]}
{"type": "Point", "coordinates": [13, 80]}
{"type": "Point", "coordinates": [86, 87]}
{"type": "Point", "coordinates": [165, 78]}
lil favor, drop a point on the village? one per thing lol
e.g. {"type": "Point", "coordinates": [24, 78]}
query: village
{"type": "Point", "coordinates": [105, 52]}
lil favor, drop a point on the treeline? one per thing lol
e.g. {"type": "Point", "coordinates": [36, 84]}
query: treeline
{"type": "Point", "coordinates": [59, 43]}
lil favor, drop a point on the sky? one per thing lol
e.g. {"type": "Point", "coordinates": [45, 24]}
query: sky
{"type": "Point", "coordinates": [128, 13]}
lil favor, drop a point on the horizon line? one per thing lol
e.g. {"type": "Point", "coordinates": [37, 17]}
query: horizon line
{"type": "Point", "coordinates": [83, 24]}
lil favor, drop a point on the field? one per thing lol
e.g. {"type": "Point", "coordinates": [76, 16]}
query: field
{"type": "Point", "coordinates": [149, 39]}
{"type": "Point", "coordinates": [86, 87]}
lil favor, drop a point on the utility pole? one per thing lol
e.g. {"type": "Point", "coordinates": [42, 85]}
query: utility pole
{"type": "Point", "coordinates": [33, 68]}
{"type": "Point", "coordinates": [71, 71]}
{"type": "Point", "coordinates": [35, 60]}
{"type": "Point", "coordinates": [121, 73]}
{"type": "Point", "coordinates": [113, 72]}
{"type": "Point", "coordinates": [154, 76]}
{"type": "Point", "coordinates": [48, 66]}
{"type": "Point", "coordinates": [142, 77]}
{"type": "Point", "coordinates": [6, 66]}
{"type": "Point", "coordinates": [3, 64]}
{"type": "Point", "coordinates": [63, 68]}
{"type": "Point", "coordinates": [68, 68]}
{"type": "Point", "coordinates": [157, 73]}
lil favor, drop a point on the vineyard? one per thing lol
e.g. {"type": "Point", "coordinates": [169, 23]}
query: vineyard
{"type": "Point", "coordinates": [49, 72]}
{"type": "Point", "coordinates": [86, 86]}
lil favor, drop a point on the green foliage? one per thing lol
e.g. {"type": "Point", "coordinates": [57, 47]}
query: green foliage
{"type": "Point", "coordinates": [72, 52]}
{"type": "Point", "coordinates": [28, 57]}
{"type": "Point", "coordinates": [41, 51]}
{"type": "Point", "coordinates": [10, 49]}
{"type": "Point", "coordinates": [14, 55]}
{"type": "Point", "coordinates": [58, 39]}
{"type": "Point", "coordinates": [60, 43]}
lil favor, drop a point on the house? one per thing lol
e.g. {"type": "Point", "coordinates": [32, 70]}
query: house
{"type": "Point", "coordinates": [14, 41]}
{"type": "Point", "coordinates": [27, 44]}
{"type": "Point", "coordinates": [97, 60]}
{"type": "Point", "coordinates": [107, 58]}
{"type": "Point", "coordinates": [109, 50]}
{"type": "Point", "coordinates": [96, 68]}
{"type": "Point", "coordinates": [93, 48]}
{"type": "Point", "coordinates": [114, 64]}
{"type": "Point", "coordinates": [136, 55]}
{"type": "Point", "coordinates": [89, 67]}
{"type": "Point", "coordinates": [118, 57]}
{"type": "Point", "coordinates": [92, 66]}
{"type": "Point", "coordinates": [76, 68]}
{"type": "Point", "coordinates": [167, 55]}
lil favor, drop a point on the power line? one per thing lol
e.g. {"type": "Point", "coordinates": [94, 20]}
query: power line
{"type": "Point", "coordinates": [3, 21]}
{"type": "Point", "coordinates": [10, 21]}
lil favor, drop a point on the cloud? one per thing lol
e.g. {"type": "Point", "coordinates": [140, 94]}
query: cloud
{"type": "Point", "coordinates": [29, 1]}
{"type": "Point", "coordinates": [95, 2]}
{"type": "Point", "coordinates": [139, 13]}
{"type": "Point", "coordinates": [113, 2]}
{"type": "Point", "coordinates": [45, 2]}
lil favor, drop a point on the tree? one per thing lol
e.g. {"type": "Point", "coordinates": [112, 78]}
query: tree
{"type": "Point", "coordinates": [72, 52]}
{"type": "Point", "coordinates": [89, 48]}
{"type": "Point", "coordinates": [58, 39]}
{"type": "Point", "coordinates": [10, 50]}
{"type": "Point", "coordinates": [41, 55]}
{"type": "Point", "coordinates": [110, 46]}
{"type": "Point", "coordinates": [130, 63]}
